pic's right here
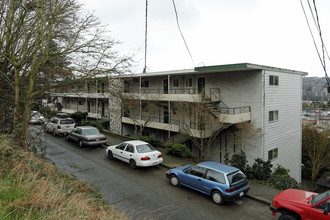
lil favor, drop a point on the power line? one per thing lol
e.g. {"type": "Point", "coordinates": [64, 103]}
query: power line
{"type": "Point", "coordinates": [177, 21]}
{"type": "Point", "coordinates": [145, 39]}
{"type": "Point", "coordinates": [317, 24]}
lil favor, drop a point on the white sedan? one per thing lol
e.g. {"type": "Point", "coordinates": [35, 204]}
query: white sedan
{"type": "Point", "coordinates": [136, 153]}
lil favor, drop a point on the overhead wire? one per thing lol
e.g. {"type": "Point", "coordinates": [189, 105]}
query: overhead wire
{"type": "Point", "coordinates": [317, 23]}
{"type": "Point", "coordinates": [178, 24]}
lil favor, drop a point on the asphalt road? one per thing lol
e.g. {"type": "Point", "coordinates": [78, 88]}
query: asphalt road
{"type": "Point", "coordinates": [143, 193]}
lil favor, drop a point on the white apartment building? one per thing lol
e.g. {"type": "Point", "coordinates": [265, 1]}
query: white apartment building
{"type": "Point", "coordinates": [267, 98]}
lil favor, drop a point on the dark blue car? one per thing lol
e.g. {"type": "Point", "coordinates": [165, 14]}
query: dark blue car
{"type": "Point", "coordinates": [220, 181]}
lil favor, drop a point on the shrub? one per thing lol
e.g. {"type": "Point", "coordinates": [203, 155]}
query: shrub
{"type": "Point", "coordinates": [249, 171]}
{"type": "Point", "coordinates": [280, 170]}
{"type": "Point", "coordinates": [78, 116]}
{"type": "Point", "coordinates": [92, 123]}
{"type": "Point", "coordinates": [261, 169]}
{"type": "Point", "coordinates": [178, 149]}
{"type": "Point", "coordinates": [226, 157]}
{"type": "Point", "coordinates": [283, 182]}
{"type": "Point", "coordinates": [149, 139]}
{"type": "Point", "coordinates": [239, 161]}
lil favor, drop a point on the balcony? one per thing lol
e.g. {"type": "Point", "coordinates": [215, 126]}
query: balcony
{"type": "Point", "coordinates": [234, 115]}
{"type": "Point", "coordinates": [82, 95]}
{"type": "Point", "coordinates": [184, 95]}
{"type": "Point", "coordinates": [154, 122]}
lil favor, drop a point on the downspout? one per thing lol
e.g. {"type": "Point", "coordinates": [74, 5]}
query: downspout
{"type": "Point", "coordinates": [263, 118]}
{"type": "Point", "coordinates": [140, 102]}
{"type": "Point", "coordinates": [97, 103]}
{"type": "Point", "coordinates": [169, 104]}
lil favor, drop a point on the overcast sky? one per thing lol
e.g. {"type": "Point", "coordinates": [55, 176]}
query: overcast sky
{"type": "Point", "coordinates": [217, 32]}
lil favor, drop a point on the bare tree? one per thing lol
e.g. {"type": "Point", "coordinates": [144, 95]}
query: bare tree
{"type": "Point", "coordinates": [46, 41]}
{"type": "Point", "coordinates": [316, 148]}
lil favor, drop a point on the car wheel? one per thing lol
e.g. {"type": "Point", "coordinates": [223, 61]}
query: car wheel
{"type": "Point", "coordinates": [174, 180]}
{"type": "Point", "coordinates": [110, 155]}
{"type": "Point", "coordinates": [286, 217]}
{"type": "Point", "coordinates": [217, 197]}
{"type": "Point", "coordinates": [68, 138]}
{"type": "Point", "coordinates": [132, 164]}
{"type": "Point", "coordinates": [80, 143]}
{"type": "Point", "coordinates": [54, 133]}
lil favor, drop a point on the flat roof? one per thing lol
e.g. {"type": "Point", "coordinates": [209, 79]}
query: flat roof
{"type": "Point", "coordinates": [219, 68]}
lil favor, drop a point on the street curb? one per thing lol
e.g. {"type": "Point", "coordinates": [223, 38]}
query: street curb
{"type": "Point", "coordinates": [259, 199]}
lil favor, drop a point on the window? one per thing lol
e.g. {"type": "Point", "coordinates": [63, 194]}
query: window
{"type": "Point", "coordinates": [129, 148]}
{"type": "Point", "coordinates": [80, 102]}
{"type": "Point", "coordinates": [215, 176]}
{"type": "Point", "coordinates": [273, 80]}
{"type": "Point", "coordinates": [176, 83]}
{"type": "Point", "coordinates": [121, 146]}
{"type": "Point", "coordinates": [272, 154]}
{"type": "Point", "coordinates": [196, 171]}
{"type": "Point", "coordinates": [145, 83]}
{"type": "Point", "coordinates": [273, 115]}
{"type": "Point", "coordinates": [189, 82]}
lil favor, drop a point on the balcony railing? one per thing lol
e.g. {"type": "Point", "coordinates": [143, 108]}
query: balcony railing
{"type": "Point", "coordinates": [161, 91]}
{"type": "Point", "coordinates": [235, 111]}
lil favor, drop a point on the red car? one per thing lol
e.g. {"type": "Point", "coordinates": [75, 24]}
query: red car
{"type": "Point", "coordinates": [298, 204]}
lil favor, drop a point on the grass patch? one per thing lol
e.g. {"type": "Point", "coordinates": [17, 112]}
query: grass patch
{"type": "Point", "coordinates": [31, 188]}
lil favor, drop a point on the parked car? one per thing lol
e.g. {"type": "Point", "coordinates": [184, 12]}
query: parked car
{"type": "Point", "coordinates": [300, 204]}
{"type": "Point", "coordinates": [220, 181]}
{"type": "Point", "coordinates": [60, 126]}
{"type": "Point", "coordinates": [86, 136]}
{"type": "Point", "coordinates": [62, 115]}
{"type": "Point", "coordinates": [36, 118]}
{"type": "Point", "coordinates": [136, 153]}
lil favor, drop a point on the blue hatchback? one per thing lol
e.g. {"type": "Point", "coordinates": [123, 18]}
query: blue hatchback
{"type": "Point", "coordinates": [220, 181]}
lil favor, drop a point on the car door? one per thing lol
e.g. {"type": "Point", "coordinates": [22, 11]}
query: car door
{"type": "Point", "coordinates": [128, 153]}
{"type": "Point", "coordinates": [50, 125]}
{"type": "Point", "coordinates": [194, 178]}
{"type": "Point", "coordinates": [213, 179]}
{"type": "Point", "coordinates": [118, 151]}
{"type": "Point", "coordinates": [76, 134]}
{"type": "Point", "coordinates": [320, 211]}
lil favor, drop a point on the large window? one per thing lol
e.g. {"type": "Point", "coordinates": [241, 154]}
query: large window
{"type": "Point", "coordinates": [272, 154]}
{"type": "Point", "coordinates": [273, 80]}
{"type": "Point", "coordinates": [176, 83]}
{"type": "Point", "coordinates": [145, 83]}
{"type": "Point", "coordinates": [273, 115]}
{"type": "Point", "coordinates": [189, 82]}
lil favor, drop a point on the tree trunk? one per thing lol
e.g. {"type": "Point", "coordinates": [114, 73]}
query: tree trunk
{"type": "Point", "coordinates": [16, 125]}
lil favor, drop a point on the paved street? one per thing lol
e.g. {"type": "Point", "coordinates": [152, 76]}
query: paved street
{"type": "Point", "coordinates": [143, 193]}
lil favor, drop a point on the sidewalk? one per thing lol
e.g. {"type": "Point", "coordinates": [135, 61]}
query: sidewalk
{"type": "Point", "coordinates": [258, 192]}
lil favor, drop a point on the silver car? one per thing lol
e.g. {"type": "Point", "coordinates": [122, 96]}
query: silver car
{"type": "Point", "coordinates": [86, 136]}
{"type": "Point", "coordinates": [60, 126]}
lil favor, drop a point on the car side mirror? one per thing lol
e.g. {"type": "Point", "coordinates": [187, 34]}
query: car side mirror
{"type": "Point", "coordinates": [326, 211]}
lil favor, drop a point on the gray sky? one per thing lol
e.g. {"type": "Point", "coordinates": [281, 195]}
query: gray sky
{"type": "Point", "coordinates": [265, 32]}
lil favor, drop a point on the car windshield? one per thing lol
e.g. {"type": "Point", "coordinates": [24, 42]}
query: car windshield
{"type": "Point", "coordinates": [236, 177]}
{"type": "Point", "coordinates": [36, 114]}
{"type": "Point", "coordinates": [144, 148]}
{"type": "Point", "coordinates": [66, 122]}
{"type": "Point", "coordinates": [320, 197]}
{"type": "Point", "coordinates": [91, 132]}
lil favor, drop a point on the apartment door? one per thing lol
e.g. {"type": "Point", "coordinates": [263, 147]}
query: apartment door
{"type": "Point", "coordinates": [89, 106]}
{"type": "Point", "coordinates": [201, 85]}
{"type": "Point", "coordinates": [165, 86]}
{"type": "Point", "coordinates": [103, 112]}
{"type": "Point", "coordinates": [166, 116]}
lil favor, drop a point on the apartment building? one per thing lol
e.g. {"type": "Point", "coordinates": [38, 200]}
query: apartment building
{"type": "Point", "coordinates": [266, 100]}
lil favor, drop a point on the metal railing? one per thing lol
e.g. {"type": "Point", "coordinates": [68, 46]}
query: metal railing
{"type": "Point", "coordinates": [161, 91]}
{"type": "Point", "coordinates": [235, 111]}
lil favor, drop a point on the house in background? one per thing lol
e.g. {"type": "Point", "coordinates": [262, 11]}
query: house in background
{"type": "Point", "coordinates": [266, 98]}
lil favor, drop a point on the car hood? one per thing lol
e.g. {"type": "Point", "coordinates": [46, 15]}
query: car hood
{"type": "Point", "coordinates": [295, 196]}
{"type": "Point", "coordinates": [181, 168]}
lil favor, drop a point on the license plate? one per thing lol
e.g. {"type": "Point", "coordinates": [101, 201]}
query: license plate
{"type": "Point", "coordinates": [241, 194]}
{"type": "Point", "coordinates": [67, 126]}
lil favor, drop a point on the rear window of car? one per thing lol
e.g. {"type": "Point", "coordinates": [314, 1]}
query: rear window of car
{"type": "Point", "coordinates": [236, 177]}
{"type": "Point", "coordinates": [91, 132]}
{"type": "Point", "coordinates": [66, 122]}
{"type": "Point", "coordinates": [144, 148]}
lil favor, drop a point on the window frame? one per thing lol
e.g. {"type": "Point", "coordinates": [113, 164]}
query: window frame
{"type": "Point", "coordinates": [176, 83]}
{"type": "Point", "coordinates": [274, 80]}
{"type": "Point", "coordinates": [273, 115]}
{"type": "Point", "coordinates": [189, 82]}
{"type": "Point", "coordinates": [273, 154]}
